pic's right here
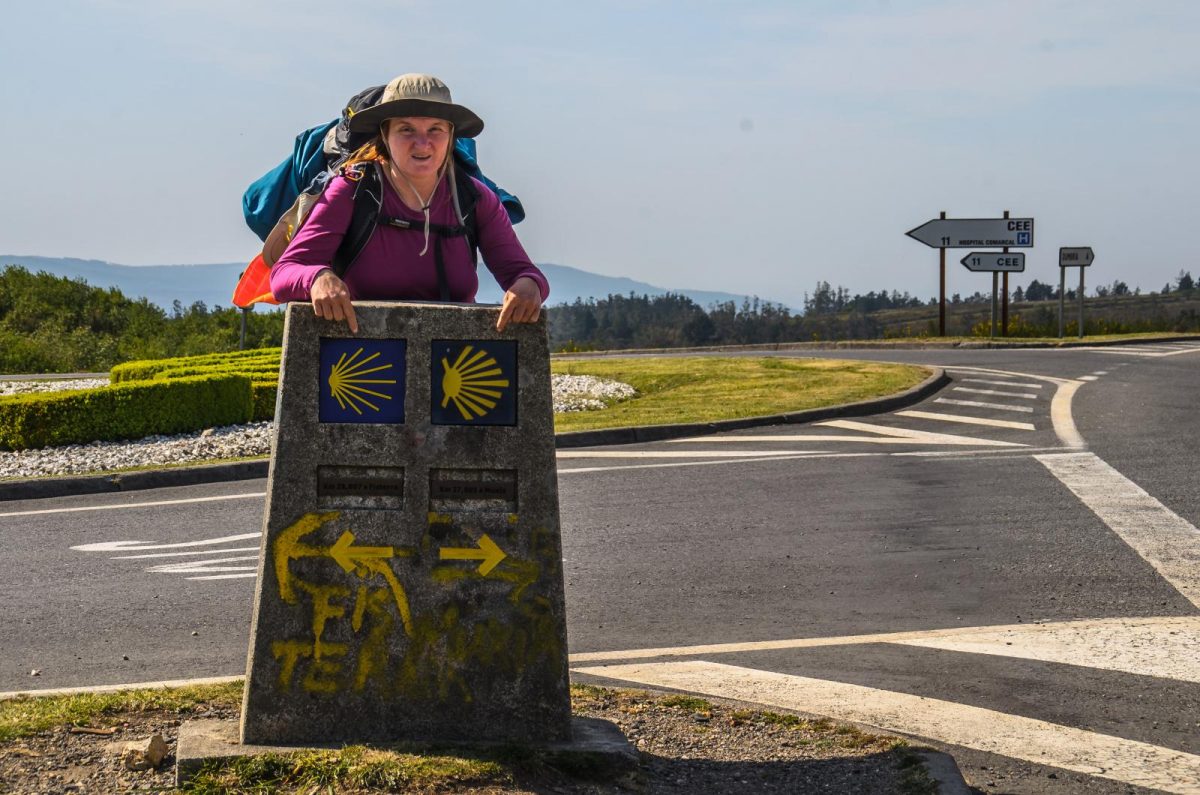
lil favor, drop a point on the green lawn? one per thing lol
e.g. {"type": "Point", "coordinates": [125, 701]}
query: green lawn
{"type": "Point", "coordinates": [706, 388]}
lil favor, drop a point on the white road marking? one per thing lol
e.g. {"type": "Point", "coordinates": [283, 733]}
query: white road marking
{"type": "Point", "coordinates": [1100, 372]}
{"type": "Point", "coordinates": [996, 392]}
{"type": "Point", "coordinates": [921, 436]}
{"type": "Point", "coordinates": [127, 505]}
{"type": "Point", "coordinates": [1164, 539]}
{"type": "Point", "coordinates": [1041, 742]}
{"type": "Point", "coordinates": [1142, 350]}
{"type": "Point", "coordinates": [948, 454]}
{"type": "Point", "coordinates": [205, 566]}
{"type": "Point", "coordinates": [681, 453]}
{"type": "Point", "coordinates": [1087, 378]}
{"type": "Point", "coordinates": [579, 470]}
{"type": "Point", "coordinates": [933, 415]}
{"type": "Point", "coordinates": [1087, 626]}
{"type": "Point", "coordinates": [141, 546]}
{"type": "Point", "coordinates": [184, 554]}
{"type": "Point", "coordinates": [226, 576]}
{"type": "Point", "coordinates": [982, 405]}
{"type": "Point", "coordinates": [1163, 647]}
{"type": "Point", "coordinates": [909, 437]}
{"type": "Point", "coordinates": [999, 383]}
{"type": "Point", "coordinates": [1061, 417]}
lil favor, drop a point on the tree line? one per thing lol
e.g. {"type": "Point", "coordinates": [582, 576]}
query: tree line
{"type": "Point", "coordinates": [56, 324]}
{"type": "Point", "coordinates": [52, 324]}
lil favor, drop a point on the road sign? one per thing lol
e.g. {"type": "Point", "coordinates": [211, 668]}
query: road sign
{"type": "Point", "coordinates": [975, 233]}
{"type": "Point", "coordinates": [1075, 257]}
{"type": "Point", "coordinates": [994, 262]}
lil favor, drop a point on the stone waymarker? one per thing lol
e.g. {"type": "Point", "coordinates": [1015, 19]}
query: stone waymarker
{"type": "Point", "coordinates": [410, 585]}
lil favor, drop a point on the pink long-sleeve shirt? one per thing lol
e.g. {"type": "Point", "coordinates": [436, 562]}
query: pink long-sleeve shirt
{"type": "Point", "coordinates": [391, 266]}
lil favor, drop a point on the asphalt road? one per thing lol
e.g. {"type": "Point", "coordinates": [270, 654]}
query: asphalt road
{"type": "Point", "coordinates": [1010, 569]}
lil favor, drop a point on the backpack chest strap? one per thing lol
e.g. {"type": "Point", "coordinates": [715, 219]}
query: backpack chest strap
{"type": "Point", "coordinates": [443, 230]}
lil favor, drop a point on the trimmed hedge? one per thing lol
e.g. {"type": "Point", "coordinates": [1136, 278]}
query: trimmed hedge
{"type": "Point", "coordinates": [149, 368]}
{"type": "Point", "coordinates": [256, 372]}
{"type": "Point", "coordinates": [124, 411]}
{"type": "Point", "coordinates": [262, 395]}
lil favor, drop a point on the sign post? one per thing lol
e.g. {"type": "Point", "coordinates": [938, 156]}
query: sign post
{"type": "Point", "coordinates": [943, 233]}
{"type": "Point", "coordinates": [1078, 257]}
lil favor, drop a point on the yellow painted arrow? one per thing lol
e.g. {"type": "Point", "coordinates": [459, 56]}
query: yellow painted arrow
{"type": "Point", "coordinates": [488, 552]}
{"type": "Point", "coordinates": [349, 556]}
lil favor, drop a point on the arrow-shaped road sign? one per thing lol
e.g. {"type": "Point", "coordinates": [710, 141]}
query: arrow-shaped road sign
{"type": "Point", "coordinates": [975, 233]}
{"type": "Point", "coordinates": [488, 553]}
{"type": "Point", "coordinates": [994, 262]}
{"type": "Point", "coordinates": [349, 556]}
{"type": "Point", "coordinates": [1075, 257]}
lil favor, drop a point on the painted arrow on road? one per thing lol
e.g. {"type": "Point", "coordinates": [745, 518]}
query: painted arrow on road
{"type": "Point", "coordinates": [487, 552]}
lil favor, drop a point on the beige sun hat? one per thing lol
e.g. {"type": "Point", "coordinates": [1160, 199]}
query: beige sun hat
{"type": "Point", "coordinates": [417, 95]}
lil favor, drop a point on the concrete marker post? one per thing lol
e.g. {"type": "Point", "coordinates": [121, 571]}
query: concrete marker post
{"type": "Point", "coordinates": [410, 581]}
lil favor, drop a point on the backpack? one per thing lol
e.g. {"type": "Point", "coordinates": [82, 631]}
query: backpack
{"type": "Point", "coordinates": [277, 203]}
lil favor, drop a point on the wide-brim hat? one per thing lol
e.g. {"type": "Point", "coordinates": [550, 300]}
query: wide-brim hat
{"type": "Point", "coordinates": [417, 95]}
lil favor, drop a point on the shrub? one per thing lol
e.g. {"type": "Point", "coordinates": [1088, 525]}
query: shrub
{"type": "Point", "coordinates": [257, 372]}
{"type": "Point", "coordinates": [123, 411]}
{"type": "Point", "coordinates": [263, 394]}
{"type": "Point", "coordinates": [149, 368]}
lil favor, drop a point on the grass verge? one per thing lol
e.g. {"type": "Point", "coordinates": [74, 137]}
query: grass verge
{"type": "Point", "coordinates": [38, 723]}
{"type": "Point", "coordinates": [705, 388]}
{"type": "Point", "coordinates": [21, 717]}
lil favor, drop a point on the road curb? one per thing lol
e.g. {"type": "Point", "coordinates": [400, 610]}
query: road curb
{"type": "Point", "coordinates": [48, 488]}
{"type": "Point", "coordinates": [655, 433]}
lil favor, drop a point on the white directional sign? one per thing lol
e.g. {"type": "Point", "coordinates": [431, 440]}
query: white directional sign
{"type": "Point", "coordinates": [975, 233]}
{"type": "Point", "coordinates": [1075, 257]}
{"type": "Point", "coordinates": [994, 262]}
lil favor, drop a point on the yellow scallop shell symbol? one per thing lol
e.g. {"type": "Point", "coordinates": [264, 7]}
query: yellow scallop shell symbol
{"type": "Point", "coordinates": [347, 379]}
{"type": "Point", "coordinates": [472, 382]}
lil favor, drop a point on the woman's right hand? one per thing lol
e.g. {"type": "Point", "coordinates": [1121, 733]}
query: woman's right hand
{"type": "Point", "coordinates": [331, 299]}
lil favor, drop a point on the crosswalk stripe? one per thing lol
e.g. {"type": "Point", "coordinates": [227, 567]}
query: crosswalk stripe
{"type": "Point", "coordinates": [996, 392]}
{"type": "Point", "coordinates": [1000, 383]}
{"type": "Point", "coordinates": [933, 415]}
{"type": "Point", "coordinates": [1079, 627]}
{"type": "Point", "coordinates": [990, 731]}
{"type": "Point", "coordinates": [926, 437]}
{"type": "Point", "coordinates": [1162, 647]}
{"type": "Point", "coordinates": [982, 405]}
{"type": "Point", "coordinates": [1165, 540]}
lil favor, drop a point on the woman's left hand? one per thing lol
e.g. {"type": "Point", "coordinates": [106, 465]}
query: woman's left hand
{"type": "Point", "coordinates": [522, 303]}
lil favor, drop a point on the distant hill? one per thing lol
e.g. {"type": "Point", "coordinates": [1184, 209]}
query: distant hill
{"type": "Point", "coordinates": [213, 284]}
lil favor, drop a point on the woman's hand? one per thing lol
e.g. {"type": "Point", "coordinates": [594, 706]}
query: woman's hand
{"type": "Point", "coordinates": [522, 303]}
{"type": "Point", "coordinates": [331, 299]}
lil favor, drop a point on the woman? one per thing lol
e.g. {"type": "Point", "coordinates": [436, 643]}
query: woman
{"type": "Point", "coordinates": [416, 123]}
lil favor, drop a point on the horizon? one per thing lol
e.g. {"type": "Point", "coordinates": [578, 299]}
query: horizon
{"type": "Point", "coordinates": [753, 148]}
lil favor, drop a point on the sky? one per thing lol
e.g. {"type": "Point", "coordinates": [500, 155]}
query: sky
{"type": "Point", "coordinates": [753, 147]}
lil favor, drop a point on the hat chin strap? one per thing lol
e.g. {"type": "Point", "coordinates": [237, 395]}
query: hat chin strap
{"type": "Point", "coordinates": [424, 201]}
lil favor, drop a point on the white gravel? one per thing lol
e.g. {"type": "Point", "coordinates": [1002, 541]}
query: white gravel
{"type": "Point", "coordinates": [571, 393]}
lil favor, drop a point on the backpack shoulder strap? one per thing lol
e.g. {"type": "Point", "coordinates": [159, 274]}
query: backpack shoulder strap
{"type": "Point", "coordinates": [368, 205]}
{"type": "Point", "coordinates": [468, 198]}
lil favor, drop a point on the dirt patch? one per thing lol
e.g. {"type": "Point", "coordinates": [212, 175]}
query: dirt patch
{"type": "Point", "coordinates": [687, 745]}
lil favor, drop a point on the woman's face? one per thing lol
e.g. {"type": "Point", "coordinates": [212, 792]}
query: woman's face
{"type": "Point", "coordinates": [418, 145]}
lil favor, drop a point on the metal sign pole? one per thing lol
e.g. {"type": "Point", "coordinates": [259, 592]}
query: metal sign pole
{"type": "Point", "coordinates": [1004, 304]}
{"type": "Point", "coordinates": [1062, 298]}
{"type": "Point", "coordinates": [942, 291]}
{"type": "Point", "coordinates": [995, 283]}
{"type": "Point", "coordinates": [242, 338]}
{"type": "Point", "coordinates": [1081, 270]}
